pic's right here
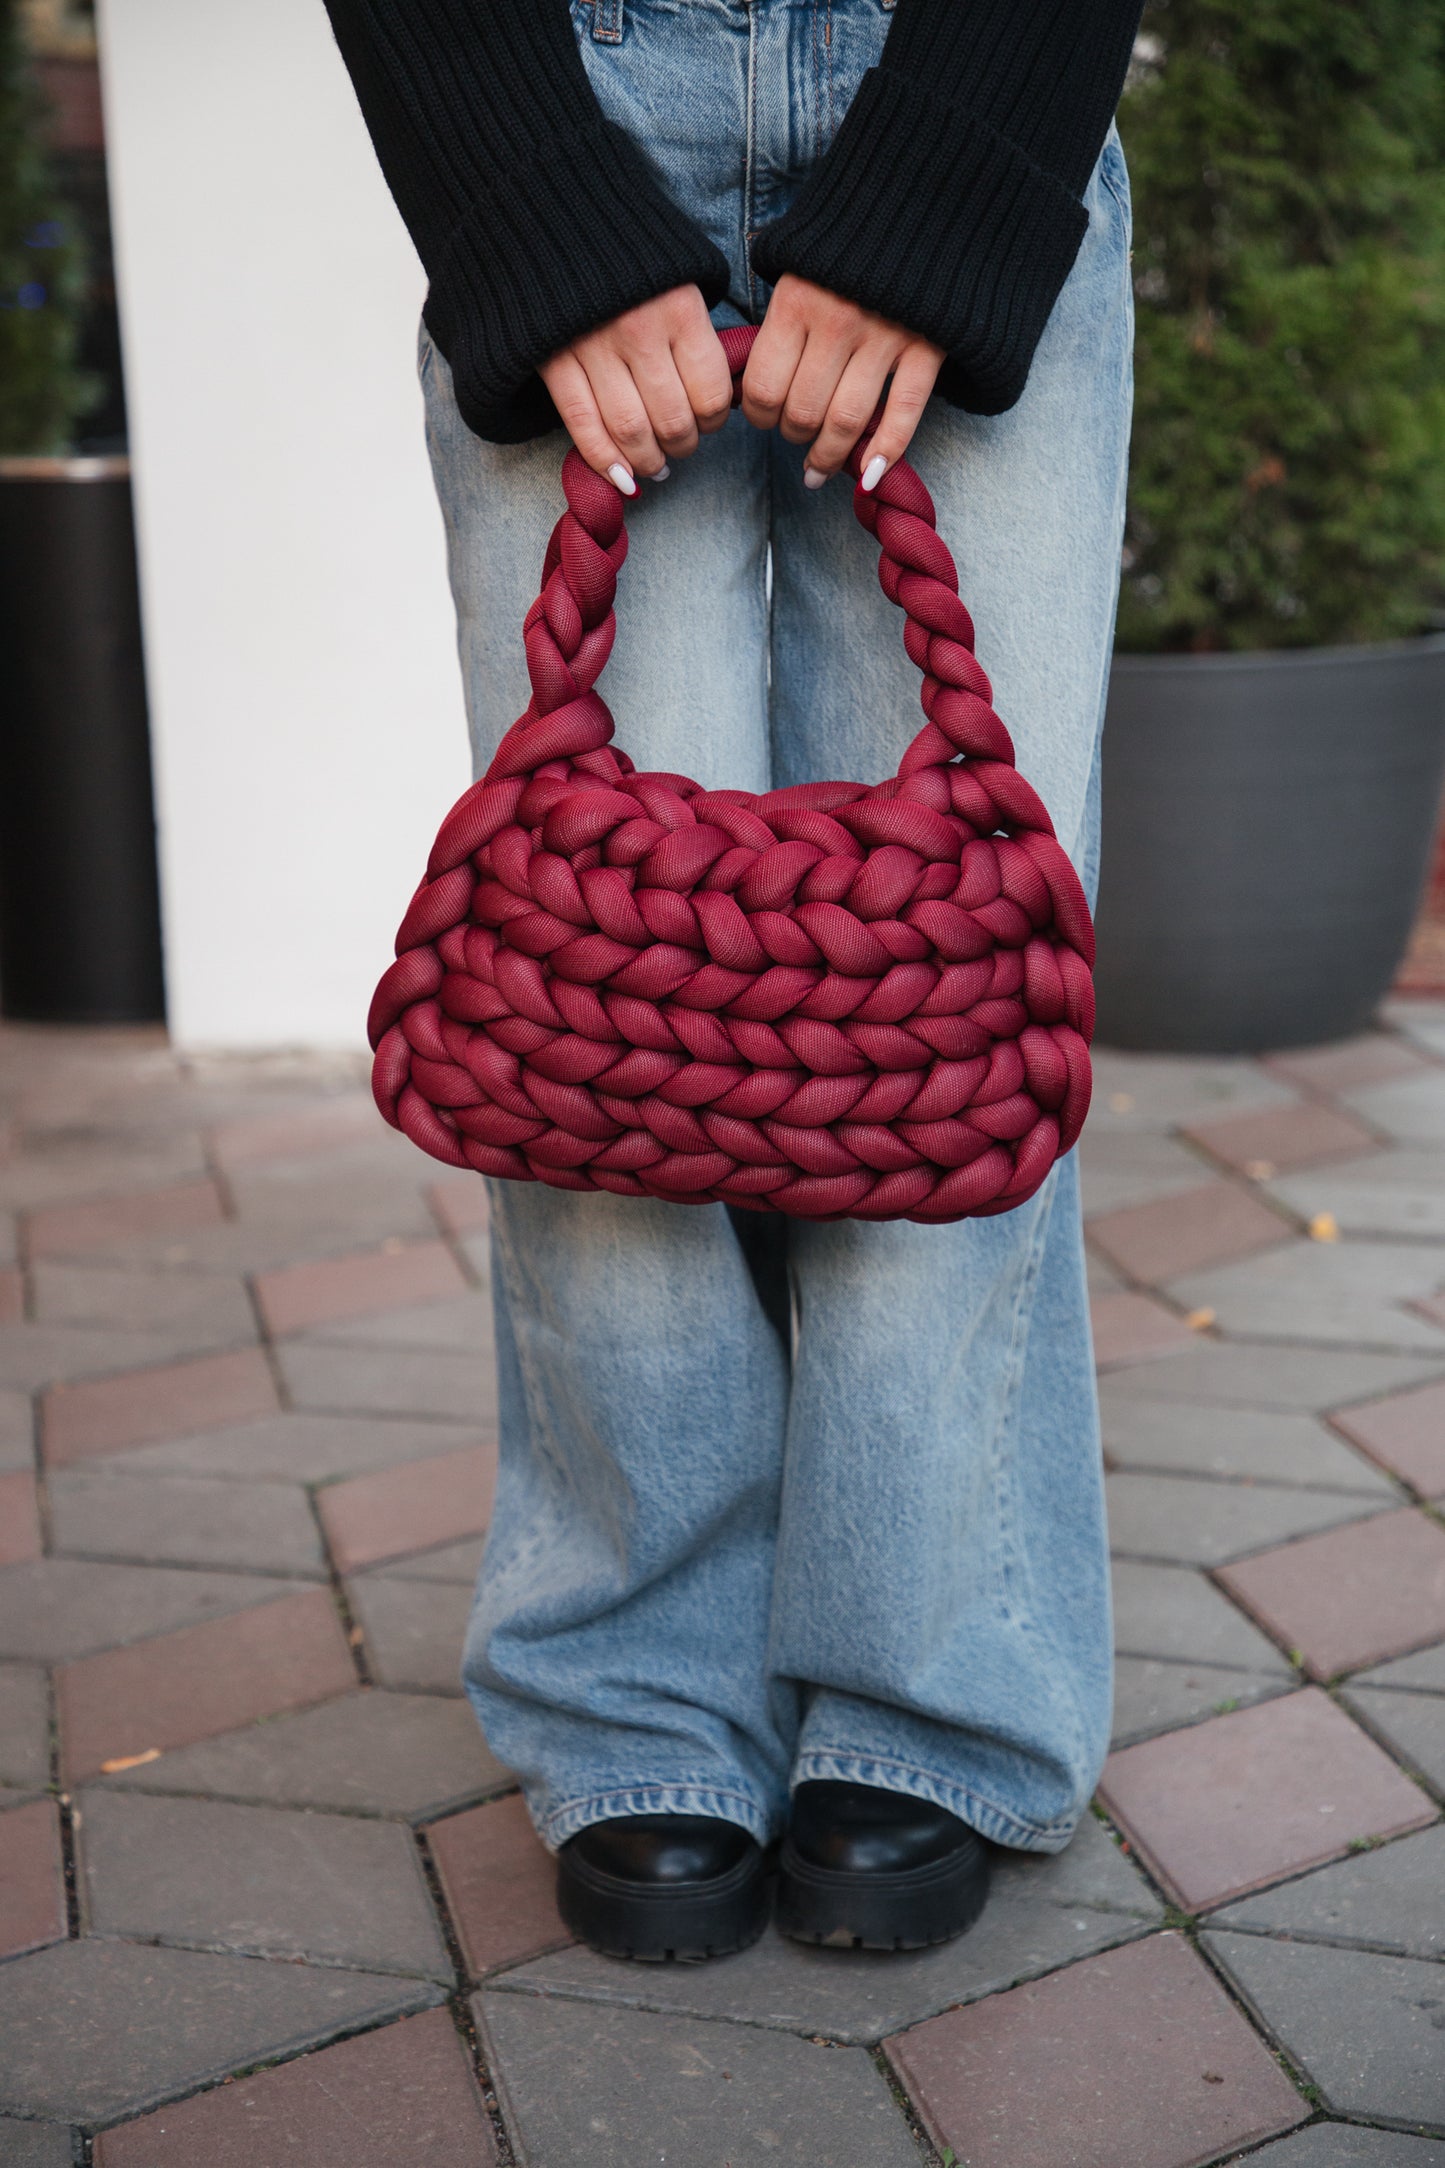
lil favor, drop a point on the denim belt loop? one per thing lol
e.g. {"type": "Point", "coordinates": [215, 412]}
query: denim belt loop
{"type": "Point", "coordinates": [607, 21]}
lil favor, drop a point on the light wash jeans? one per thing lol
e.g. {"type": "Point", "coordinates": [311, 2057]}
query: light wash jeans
{"type": "Point", "coordinates": [727, 1557]}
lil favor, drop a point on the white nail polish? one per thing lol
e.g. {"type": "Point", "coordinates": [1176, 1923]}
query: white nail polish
{"type": "Point", "coordinates": [662, 473]}
{"type": "Point", "coordinates": [618, 473]}
{"type": "Point", "coordinates": [812, 479]}
{"type": "Point", "coordinates": [874, 471]}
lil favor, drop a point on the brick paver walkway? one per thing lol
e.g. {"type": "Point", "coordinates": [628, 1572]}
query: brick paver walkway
{"type": "Point", "coordinates": [264, 1896]}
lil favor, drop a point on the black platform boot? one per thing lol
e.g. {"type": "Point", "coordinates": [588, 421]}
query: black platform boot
{"type": "Point", "coordinates": [655, 1886]}
{"type": "Point", "coordinates": [868, 1869]}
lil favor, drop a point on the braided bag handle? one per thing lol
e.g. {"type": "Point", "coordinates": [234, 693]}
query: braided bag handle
{"type": "Point", "coordinates": [834, 1000]}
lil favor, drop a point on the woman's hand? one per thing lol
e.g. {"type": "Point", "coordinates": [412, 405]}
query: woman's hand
{"type": "Point", "coordinates": [635, 393]}
{"type": "Point", "coordinates": [817, 370]}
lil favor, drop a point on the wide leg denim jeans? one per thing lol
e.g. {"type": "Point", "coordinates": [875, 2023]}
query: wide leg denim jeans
{"type": "Point", "coordinates": [780, 1500]}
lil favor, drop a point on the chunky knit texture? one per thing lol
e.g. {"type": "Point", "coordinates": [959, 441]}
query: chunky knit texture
{"type": "Point", "coordinates": [949, 201]}
{"type": "Point", "coordinates": [830, 1000]}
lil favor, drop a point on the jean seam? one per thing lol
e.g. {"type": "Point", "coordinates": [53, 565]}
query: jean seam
{"type": "Point", "coordinates": [822, 1763]}
{"type": "Point", "coordinates": [586, 1808]}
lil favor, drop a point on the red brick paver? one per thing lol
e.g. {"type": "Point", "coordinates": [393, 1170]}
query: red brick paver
{"type": "Point", "coordinates": [1241, 1800]}
{"type": "Point", "coordinates": [1285, 1137]}
{"type": "Point", "coordinates": [205, 1680]}
{"type": "Point", "coordinates": [411, 1508]}
{"type": "Point", "coordinates": [32, 1878]}
{"type": "Point", "coordinates": [298, 1297]}
{"type": "Point", "coordinates": [78, 1230]}
{"type": "Point", "coordinates": [499, 1883]}
{"type": "Point", "coordinates": [1433, 1307]}
{"type": "Point", "coordinates": [1349, 1596]}
{"type": "Point", "coordinates": [460, 1204]}
{"type": "Point", "coordinates": [19, 1519]}
{"type": "Point", "coordinates": [1170, 1236]}
{"type": "Point", "coordinates": [403, 2097]}
{"type": "Point", "coordinates": [1404, 1433]}
{"type": "Point", "coordinates": [1349, 1067]}
{"type": "Point", "coordinates": [12, 1296]}
{"type": "Point", "coordinates": [1136, 2059]}
{"type": "Point", "coordinates": [1131, 1329]}
{"type": "Point", "coordinates": [140, 1407]}
{"type": "Point", "coordinates": [329, 1125]}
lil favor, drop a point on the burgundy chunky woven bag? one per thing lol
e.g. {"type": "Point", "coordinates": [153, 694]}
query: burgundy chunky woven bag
{"type": "Point", "coordinates": [836, 1001]}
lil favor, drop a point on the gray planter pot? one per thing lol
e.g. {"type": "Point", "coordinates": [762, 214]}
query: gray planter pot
{"type": "Point", "coordinates": [1267, 829]}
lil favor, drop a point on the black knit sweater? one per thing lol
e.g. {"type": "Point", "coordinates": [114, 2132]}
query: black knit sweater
{"type": "Point", "coordinates": [949, 200]}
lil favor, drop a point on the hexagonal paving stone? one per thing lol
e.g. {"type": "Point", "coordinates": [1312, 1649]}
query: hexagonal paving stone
{"type": "Point", "coordinates": [414, 1631]}
{"type": "Point", "coordinates": [60, 1608]}
{"type": "Point", "coordinates": [1358, 1293]}
{"type": "Point", "coordinates": [296, 1297]}
{"type": "Point", "coordinates": [641, 2086]}
{"type": "Point", "coordinates": [36, 2145]}
{"type": "Point", "coordinates": [1386, 1899]}
{"type": "Point", "coordinates": [1130, 1328]}
{"type": "Point", "coordinates": [1118, 1170]}
{"type": "Point", "coordinates": [196, 1684]}
{"type": "Point", "coordinates": [1424, 1672]}
{"type": "Point", "coordinates": [1173, 1612]}
{"type": "Point", "coordinates": [402, 2097]}
{"type": "Point", "coordinates": [458, 1562]}
{"type": "Point", "coordinates": [1245, 1799]}
{"type": "Point", "coordinates": [1388, 1193]}
{"type": "Point", "coordinates": [1411, 1725]}
{"type": "Point", "coordinates": [1152, 1696]}
{"type": "Point", "coordinates": [209, 1309]}
{"type": "Point", "coordinates": [1016, 2082]}
{"type": "Point", "coordinates": [418, 1507]}
{"type": "Point", "coordinates": [1171, 1235]}
{"type": "Point", "coordinates": [24, 1725]}
{"type": "Point", "coordinates": [1338, 2145]}
{"type": "Point", "coordinates": [1409, 1108]}
{"type": "Point", "coordinates": [1350, 1596]}
{"type": "Point", "coordinates": [499, 1883]}
{"type": "Point", "coordinates": [17, 1432]}
{"type": "Point", "coordinates": [1348, 1065]}
{"type": "Point", "coordinates": [1365, 2028]}
{"type": "Point", "coordinates": [409, 1755]}
{"type": "Point", "coordinates": [1302, 1135]}
{"type": "Point", "coordinates": [1314, 1380]}
{"type": "Point", "coordinates": [391, 1381]}
{"type": "Point", "coordinates": [1041, 1913]}
{"type": "Point", "coordinates": [262, 1881]}
{"type": "Point", "coordinates": [1134, 1093]}
{"type": "Point", "coordinates": [1197, 1521]}
{"type": "Point", "coordinates": [102, 1415]}
{"type": "Point", "coordinates": [92, 1227]}
{"type": "Point", "coordinates": [461, 1326]}
{"type": "Point", "coordinates": [190, 2018]}
{"type": "Point", "coordinates": [168, 1520]}
{"type": "Point", "coordinates": [1234, 1444]}
{"type": "Point", "coordinates": [32, 1878]}
{"type": "Point", "coordinates": [19, 1518]}
{"type": "Point", "coordinates": [1405, 1433]}
{"type": "Point", "coordinates": [301, 1448]}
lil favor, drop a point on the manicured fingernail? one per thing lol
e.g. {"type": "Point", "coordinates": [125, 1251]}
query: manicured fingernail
{"type": "Point", "coordinates": [874, 471]}
{"type": "Point", "coordinates": [662, 473]}
{"type": "Point", "coordinates": [812, 479]}
{"type": "Point", "coordinates": [618, 473]}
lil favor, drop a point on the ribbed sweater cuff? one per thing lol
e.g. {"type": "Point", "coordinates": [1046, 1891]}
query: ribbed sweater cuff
{"type": "Point", "coordinates": [582, 233]}
{"type": "Point", "coordinates": [939, 223]}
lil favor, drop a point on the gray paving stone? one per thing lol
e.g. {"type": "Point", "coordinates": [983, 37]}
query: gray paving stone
{"type": "Point", "coordinates": [1118, 1170]}
{"type": "Point", "coordinates": [1337, 2145]}
{"type": "Point", "coordinates": [96, 2030]}
{"type": "Point", "coordinates": [1042, 1913]}
{"type": "Point", "coordinates": [300, 1448]}
{"type": "Point", "coordinates": [54, 1609]}
{"type": "Point", "coordinates": [94, 1168]}
{"type": "Point", "coordinates": [1388, 1899]}
{"type": "Point", "coordinates": [1354, 1293]}
{"type": "Point", "coordinates": [1310, 1379]}
{"type": "Point", "coordinates": [1193, 1520]}
{"type": "Point", "coordinates": [1424, 1672]}
{"type": "Point", "coordinates": [453, 1562]}
{"type": "Point", "coordinates": [1163, 1091]}
{"type": "Point", "coordinates": [1411, 1108]}
{"type": "Point", "coordinates": [1238, 1444]}
{"type": "Point", "coordinates": [17, 1432]}
{"type": "Point", "coordinates": [36, 2145]}
{"type": "Point", "coordinates": [1102, 1278]}
{"type": "Point", "coordinates": [213, 1311]}
{"type": "Point", "coordinates": [1420, 1019]}
{"type": "Point", "coordinates": [413, 1630]}
{"type": "Point", "coordinates": [1390, 1193]}
{"type": "Point", "coordinates": [184, 1520]}
{"type": "Point", "coordinates": [24, 1726]}
{"type": "Point", "coordinates": [1173, 1612]}
{"type": "Point", "coordinates": [391, 1381]}
{"type": "Point", "coordinates": [262, 1881]}
{"type": "Point", "coordinates": [1411, 1725]}
{"type": "Point", "coordinates": [642, 2087]}
{"type": "Point", "coordinates": [1366, 2029]}
{"type": "Point", "coordinates": [409, 1755]}
{"type": "Point", "coordinates": [1152, 1696]}
{"type": "Point", "coordinates": [462, 1326]}
{"type": "Point", "coordinates": [34, 1356]}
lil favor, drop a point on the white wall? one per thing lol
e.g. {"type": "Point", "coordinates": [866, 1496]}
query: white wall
{"type": "Point", "coordinates": [305, 699]}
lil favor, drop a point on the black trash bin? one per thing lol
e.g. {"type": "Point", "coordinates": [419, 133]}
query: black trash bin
{"type": "Point", "coordinates": [80, 930]}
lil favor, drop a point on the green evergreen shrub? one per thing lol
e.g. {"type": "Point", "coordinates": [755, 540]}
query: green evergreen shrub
{"type": "Point", "coordinates": [1288, 484]}
{"type": "Point", "coordinates": [43, 393]}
